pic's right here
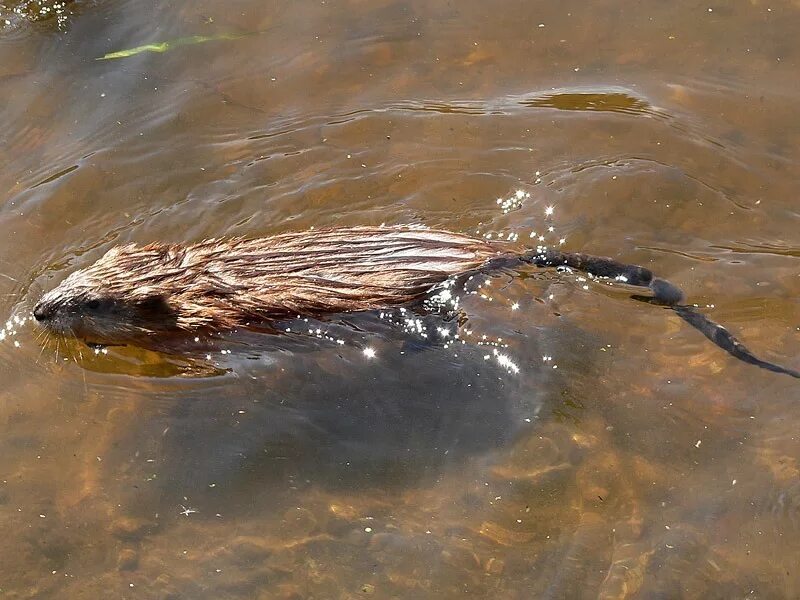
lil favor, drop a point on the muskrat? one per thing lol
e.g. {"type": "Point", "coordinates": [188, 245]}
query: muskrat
{"type": "Point", "coordinates": [141, 294]}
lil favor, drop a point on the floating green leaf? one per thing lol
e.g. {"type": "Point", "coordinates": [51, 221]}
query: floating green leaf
{"type": "Point", "coordinates": [164, 46]}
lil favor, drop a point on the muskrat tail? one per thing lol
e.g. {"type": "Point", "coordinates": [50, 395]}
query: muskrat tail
{"type": "Point", "coordinates": [663, 292]}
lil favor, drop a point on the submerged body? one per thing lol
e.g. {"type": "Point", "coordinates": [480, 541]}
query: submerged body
{"type": "Point", "coordinates": [142, 294]}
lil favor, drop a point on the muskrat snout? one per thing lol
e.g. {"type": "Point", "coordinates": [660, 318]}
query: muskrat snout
{"type": "Point", "coordinates": [42, 312]}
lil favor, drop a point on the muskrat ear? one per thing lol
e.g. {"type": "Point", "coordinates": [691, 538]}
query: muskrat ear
{"type": "Point", "coordinates": [155, 304]}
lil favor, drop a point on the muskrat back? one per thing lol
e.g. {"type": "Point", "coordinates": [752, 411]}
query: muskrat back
{"type": "Point", "coordinates": [136, 292]}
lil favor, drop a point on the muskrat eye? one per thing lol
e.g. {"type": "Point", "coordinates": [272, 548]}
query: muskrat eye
{"type": "Point", "coordinates": [93, 304]}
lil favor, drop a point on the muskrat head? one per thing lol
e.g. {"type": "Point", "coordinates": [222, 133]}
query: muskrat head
{"type": "Point", "coordinates": [112, 301]}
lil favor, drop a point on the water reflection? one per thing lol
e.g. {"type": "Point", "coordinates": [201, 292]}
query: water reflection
{"type": "Point", "coordinates": [611, 101]}
{"type": "Point", "coordinates": [648, 464]}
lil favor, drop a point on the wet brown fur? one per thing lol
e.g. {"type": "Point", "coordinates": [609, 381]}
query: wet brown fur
{"type": "Point", "coordinates": [222, 284]}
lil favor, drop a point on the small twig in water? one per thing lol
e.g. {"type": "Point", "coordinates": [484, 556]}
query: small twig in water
{"type": "Point", "coordinates": [164, 46]}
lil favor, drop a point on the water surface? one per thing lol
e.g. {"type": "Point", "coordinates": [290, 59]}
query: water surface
{"type": "Point", "coordinates": [577, 444]}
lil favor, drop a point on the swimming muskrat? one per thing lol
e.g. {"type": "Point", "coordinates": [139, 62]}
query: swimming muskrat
{"type": "Point", "coordinates": [140, 294]}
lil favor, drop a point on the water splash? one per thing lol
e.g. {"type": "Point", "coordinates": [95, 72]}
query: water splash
{"type": "Point", "coordinates": [11, 329]}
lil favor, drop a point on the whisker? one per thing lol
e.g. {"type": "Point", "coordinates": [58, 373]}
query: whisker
{"type": "Point", "coordinates": [9, 277]}
{"type": "Point", "coordinates": [41, 338]}
{"type": "Point", "coordinates": [47, 337]}
{"type": "Point", "coordinates": [83, 372]}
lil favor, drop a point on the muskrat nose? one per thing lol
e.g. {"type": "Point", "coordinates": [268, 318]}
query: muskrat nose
{"type": "Point", "coordinates": [41, 313]}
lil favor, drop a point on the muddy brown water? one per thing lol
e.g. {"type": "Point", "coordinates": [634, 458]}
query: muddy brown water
{"type": "Point", "coordinates": [588, 446]}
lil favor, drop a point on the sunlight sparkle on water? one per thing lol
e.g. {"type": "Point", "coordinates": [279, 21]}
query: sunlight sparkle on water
{"type": "Point", "coordinates": [11, 328]}
{"type": "Point", "coordinates": [513, 202]}
{"type": "Point", "coordinates": [505, 361]}
{"type": "Point", "coordinates": [369, 352]}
